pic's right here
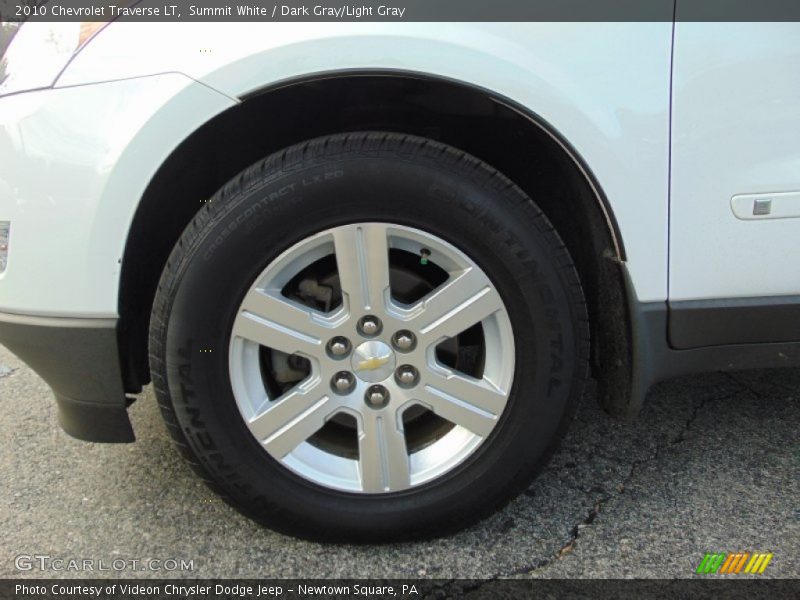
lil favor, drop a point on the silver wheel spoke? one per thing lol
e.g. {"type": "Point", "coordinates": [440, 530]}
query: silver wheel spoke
{"type": "Point", "coordinates": [472, 403]}
{"type": "Point", "coordinates": [362, 258]}
{"type": "Point", "coordinates": [457, 305]}
{"type": "Point", "coordinates": [292, 419]}
{"type": "Point", "coordinates": [383, 457]}
{"type": "Point", "coordinates": [278, 323]}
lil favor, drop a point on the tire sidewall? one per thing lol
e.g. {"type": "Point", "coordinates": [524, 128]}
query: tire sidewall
{"type": "Point", "coordinates": [484, 217]}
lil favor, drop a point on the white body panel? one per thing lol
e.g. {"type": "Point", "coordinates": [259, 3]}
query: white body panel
{"type": "Point", "coordinates": [72, 171]}
{"type": "Point", "coordinates": [736, 133]}
{"type": "Point", "coordinates": [604, 87]}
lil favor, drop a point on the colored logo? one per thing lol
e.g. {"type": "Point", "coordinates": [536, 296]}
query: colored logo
{"type": "Point", "coordinates": [374, 362]}
{"type": "Point", "coordinates": [734, 563]}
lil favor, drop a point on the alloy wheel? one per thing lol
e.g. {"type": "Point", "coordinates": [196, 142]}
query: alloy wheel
{"type": "Point", "coordinates": [355, 384]}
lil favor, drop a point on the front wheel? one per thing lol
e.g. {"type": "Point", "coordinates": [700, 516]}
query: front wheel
{"type": "Point", "coordinates": [368, 337]}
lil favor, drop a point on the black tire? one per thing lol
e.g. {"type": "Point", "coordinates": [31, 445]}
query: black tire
{"type": "Point", "coordinates": [380, 177]}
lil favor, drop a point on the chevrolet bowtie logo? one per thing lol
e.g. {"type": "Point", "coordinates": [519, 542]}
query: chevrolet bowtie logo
{"type": "Point", "coordinates": [376, 362]}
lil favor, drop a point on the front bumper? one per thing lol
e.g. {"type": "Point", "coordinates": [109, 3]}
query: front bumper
{"type": "Point", "coordinates": [74, 164]}
{"type": "Point", "coordinates": [78, 358]}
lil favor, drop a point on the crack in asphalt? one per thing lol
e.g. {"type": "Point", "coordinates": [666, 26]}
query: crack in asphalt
{"type": "Point", "coordinates": [600, 501]}
{"type": "Point", "coordinates": [760, 395]}
{"type": "Point", "coordinates": [681, 437]}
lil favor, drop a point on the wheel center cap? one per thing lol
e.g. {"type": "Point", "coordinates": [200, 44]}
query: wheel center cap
{"type": "Point", "coordinates": [373, 361]}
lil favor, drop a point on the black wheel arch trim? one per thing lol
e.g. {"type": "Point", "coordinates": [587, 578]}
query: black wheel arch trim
{"type": "Point", "coordinates": [533, 117]}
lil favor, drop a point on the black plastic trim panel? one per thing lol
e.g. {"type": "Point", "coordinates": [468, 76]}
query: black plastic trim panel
{"type": "Point", "coordinates": [698, 323]}
{"type": "Point", "coordinates": [655, 360]}
{"type": "Point", "coordinates": [79, 360]}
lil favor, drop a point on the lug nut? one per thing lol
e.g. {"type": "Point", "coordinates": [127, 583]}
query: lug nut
{"type": "Point", "coordinates": [404, 340]}
{"type": "Point", "coordinates": [339, 347]}
{"type": "Point", "coordinates": [343, 382]}
{"type": "Point", "coordinates": [369, 326]}
{"type": "Point", "coordinates": [377, 396]}
{"type": "Point", "coordinates": [406, 376]}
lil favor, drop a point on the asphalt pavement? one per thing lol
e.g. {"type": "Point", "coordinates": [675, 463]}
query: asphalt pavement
{"type": "Point", "coordinates": [711, 465]}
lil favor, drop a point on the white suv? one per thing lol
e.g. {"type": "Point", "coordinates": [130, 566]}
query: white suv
{"type": "Point", "coordinates": [368, 267]}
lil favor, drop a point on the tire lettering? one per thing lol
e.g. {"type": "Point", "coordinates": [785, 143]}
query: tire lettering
{"type": "Point", "coordinates": [194, 417]}
{"type": "Point", "coordinates": [553, 325]}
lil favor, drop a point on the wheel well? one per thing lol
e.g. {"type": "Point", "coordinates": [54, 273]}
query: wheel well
{"type": "Point", "coordinates": [505, 136]}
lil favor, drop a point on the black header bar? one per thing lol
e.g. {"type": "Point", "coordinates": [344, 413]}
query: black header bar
{"type": "Point", "coordinates": [400, 10]}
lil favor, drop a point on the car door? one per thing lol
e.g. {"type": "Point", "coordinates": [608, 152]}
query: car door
{"type": "Point", "coordinates": [735, 183]}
